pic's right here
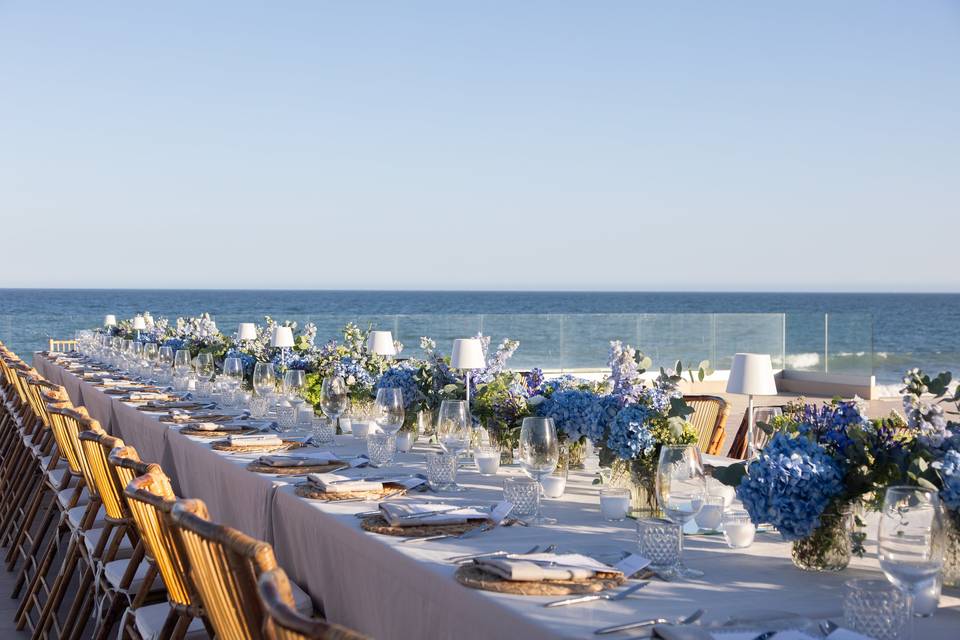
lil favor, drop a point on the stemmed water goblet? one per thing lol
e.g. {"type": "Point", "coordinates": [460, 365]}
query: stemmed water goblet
{"type": "Point", "coordinates": [334, 400]}
{"type": "Point", "coordinates": [127, 355]}
{"type": "Point", "coordinates": [390, 415]}
{"type": "Point", "coordinates": [539, 454]}
{"type": "Point", "coordinates": [182, 369]}
{"type": "Point", "coordinates": [165, 363]}
{"type": "Point", "coordinates": [454, 432]}
{"type": "Point", "coordinates": [136, 358]}
{"type": "Point", "coordinates": [205, 370]}
{"type": "Point", "coordinates": [150, 359]}
{"type": "Point", "coordinates": [681, 491]}
{"type": "Point", "coordinates": [292, 387]}
{"type": "Point", "coordinates": [910, 540]}
{"type": "Point", "coordinates": [233, 379]}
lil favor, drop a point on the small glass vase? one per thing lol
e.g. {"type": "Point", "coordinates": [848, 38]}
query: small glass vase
{"type": "Point", "coordinates": [643, 494]}
{"type": "Point", "coordinates": [951, 549]}
{"type": "Point", "coordinates": [829, 547]}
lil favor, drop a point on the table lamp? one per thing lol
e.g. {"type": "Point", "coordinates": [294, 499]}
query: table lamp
{"type": "Point", "coordinates": [467, 355]}
{"type": "Point", "coordinates": [109, 320]}
{"type": "Point", "coordinates": [282, 339]}
{"type": "Point", "coordinates": [139, 324]}
{"type": "Point", "coordinates": [247, 331]}
{"type": "Point", "coordinates": [381, 343]}
{"type": "Point", "coordinates": [751, 374]}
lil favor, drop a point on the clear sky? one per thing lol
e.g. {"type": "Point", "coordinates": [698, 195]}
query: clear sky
{"type": "Point", "coordinates": [630, 145]}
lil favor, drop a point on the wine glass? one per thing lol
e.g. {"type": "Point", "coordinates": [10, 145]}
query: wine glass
{"type": "Point", "coordinates": [539, 453]}
{"type": "Point", "coordinates": [126, 354]}
{"type": "Point", "coordinates": [334, 399]}
{"type": "Point", "coordinates": [453, 432]}
{"type": "Point", "coordinates": [182, 364]}
{"type": "Point", "coordinates": [681, 491]}
{"type": "Point", "coordinates": [150, 357]}
{"type": "Point", "coordinates": [910, 540]}
{"type": "Point", "coordinates": [390, 410]}
{"type": "Point", "coordinates": [205, 366]}
{"type": "Point", "coordinates": [136, 357]}
{"type": "Point", "coordinates": [264, 379]}
{"type": "Point", "coordinates": [165, 362]}
{"type": "Point", "coordinates": [293, 381]}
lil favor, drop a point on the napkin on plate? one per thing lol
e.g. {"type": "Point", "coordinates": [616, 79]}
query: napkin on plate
{"type": "Point", "coordinates": [147, 395]}
{"type": "Point", "coordinates": [402, 514]}
{"type": "Point", "coordinates": [324, 457]}
{"type": "Point", "coordinates": [214, 426]}
{"type": "Point", "coordinates": [536, 567]}
{"type": "Point", "coordinates": [267, 439]}
{"type": "Point", "coordinates": [336, 483]}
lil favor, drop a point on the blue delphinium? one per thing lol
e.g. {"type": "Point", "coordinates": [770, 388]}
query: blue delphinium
{"type": "Point", "coordinates": [829, 424]}
{"type": "Point", "coordinates": [533, 379]}
{"type": "Point", "coordinates": [630, 432]}
{"type": "Point", "coordinates": [790, 485]}
{"type": "Point", "coordinates": [403, 377]}
{"type": "Point", "coordinates": [949, 469]}
{"type": "Point", "coordinates": [573, 412]}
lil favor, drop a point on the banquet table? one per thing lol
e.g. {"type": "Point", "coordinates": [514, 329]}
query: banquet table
{"type": "Point", "coordinates": [388, 588]}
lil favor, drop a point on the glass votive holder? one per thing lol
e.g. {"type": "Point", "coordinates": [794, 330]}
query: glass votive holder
{"type": "Point", "coordinates": [381, 449]}
{"type": "Point", "coordinates": [523, 494]}
{"type": "Point", "coordinates": [324, 431]}
{"type": "Point", "coordinates": [876, 609]}
{"type": "Point", "coordinates": [487, 460]}
{"type": "Point", "coordinates": [927, 599]}
{"type": "Point", "coordinates": [258, 406]}
{"type": "Point", "coordinates": [710, 516]}
{"type": "Point", "coordinates": [204, 388]}
{"type": "Point", "coordinates": [180, 383]}
{"type": "Point", "coordinates": [441, 470]}
{"type": "Point", "coordinates": [738, 529]}
{"type": "Point", "coordinates": [361, 428]}
{"type": "Point", "coordinates": [555, 483]}
{"type": "Point", "coordinates": [660, 542]}
{"type": "Point", "coordinates": [614, 503]}
{"type": "Point", "coordinates": [405, 440]}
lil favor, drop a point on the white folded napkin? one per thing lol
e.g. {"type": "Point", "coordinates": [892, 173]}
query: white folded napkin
{"type": "Point", "coordinates": [257, 438]}
{"type": "Point", "coordinates": [324, 457]}
{"type": "Point", "coordinates": [336, 483]}
{"type": "Point", "coordinates": [412, 514]}
{"type": "Point", "coordinates": [215, 426]}
{"type": "Point", "coordinates": [536, 567]}
{"type": "Point", "coordinates": [147, 395]}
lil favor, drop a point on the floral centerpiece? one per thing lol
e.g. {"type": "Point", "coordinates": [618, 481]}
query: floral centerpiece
{"type": "Point", "coordinates": [932, 410]}
{"type": "Point", "coordinates": [820, 467]}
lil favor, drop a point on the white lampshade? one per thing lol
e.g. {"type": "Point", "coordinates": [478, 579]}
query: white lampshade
{"type": "Point", "coordinates": [148, 319]}
{"type": "Point", "coordinates": [139, 324]}
{"type": "Point", "coordinates": [282, 337]}
{"type": "Point", "coordinates": [752, 375]}
{"type": "Point", "coordinates": [467, 354]}
{"type": "Point", "coordinates": [247, 331]}
{"type": "Point", "coordinates": [109, 320]}
{"type": "Point", "coordinates": [381, 343]}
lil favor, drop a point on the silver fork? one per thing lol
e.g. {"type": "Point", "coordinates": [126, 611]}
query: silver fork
{"type": "Point", "coordinates": [693, 617]}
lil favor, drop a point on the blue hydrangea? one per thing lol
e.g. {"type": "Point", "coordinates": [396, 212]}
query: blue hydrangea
{"type": "Point", "coordinates": [289, 361]}
{"type": "Point", "coordinates": [630, 432]}
{"type": "Point", "coordinates": [403, 377]}
{"type": "Point", "coordinates": [658, 398]}
{"type": "Point", "coordinates": [533, 379]}
{"type": "Point", "coordinates": [829, 424]}
{"type": "Point", "coordinates": [573, 412]}
{"type": "Point", "coordinates": [174, 343]}
{"type": "Point", "coordinates": [247, 360]}
{"type": "Point", "coordinates": [353, 373]}
{"type": "Point", "coordinates": [790, 485]}
{"type": "Point", "coordinates": [605, 409]}
{"type": "Point", "coordinates": [950, 475]}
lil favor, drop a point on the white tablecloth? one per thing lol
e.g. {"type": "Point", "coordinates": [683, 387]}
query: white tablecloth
{"type": "Point", "coordinates": [389, 589]}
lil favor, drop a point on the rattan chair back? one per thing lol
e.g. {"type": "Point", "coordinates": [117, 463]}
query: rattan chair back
{"type": "Point", "coordinates": [709, 419]}
{"type": "Point", "coordinates": [282, 621]}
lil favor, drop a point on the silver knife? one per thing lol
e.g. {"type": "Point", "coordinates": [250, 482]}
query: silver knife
{"type": "Point", "coordinates": [613, 597]}
{"type": "Point", "coordinates": [693, 617]}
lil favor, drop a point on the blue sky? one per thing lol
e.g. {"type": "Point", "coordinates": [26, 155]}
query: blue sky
{"type": "Point", "coordinates": [460, 145]}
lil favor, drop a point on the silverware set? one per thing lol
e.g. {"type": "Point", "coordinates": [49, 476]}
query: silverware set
{"type": "Point", "coordinates": [594, 597]}
{"type": "Point", "coordinates": [693, 617]}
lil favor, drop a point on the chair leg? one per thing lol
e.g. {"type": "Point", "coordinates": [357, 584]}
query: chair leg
{"type": "Point", "coordinates": [15, 506]}
{"type": "Point", "coordinates": [79, 614]}
{"type": "Point", "coordinates": [58, 592]}
{"type": "Point", "coordinates": [16, 548]}
{"type": "Point", "coordinates": [30, 561]}
{"type": "Point", "coordinates": [106, 624]}
{"type": "Point", "coordinates": [31, 599]}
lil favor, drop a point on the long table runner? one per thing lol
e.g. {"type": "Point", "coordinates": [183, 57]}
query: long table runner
{"type": "Point", "coordinates": [390, 589]}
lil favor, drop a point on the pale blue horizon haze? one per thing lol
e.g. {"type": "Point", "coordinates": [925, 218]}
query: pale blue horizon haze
{"type": "Point", "coordinates": [689, 146]}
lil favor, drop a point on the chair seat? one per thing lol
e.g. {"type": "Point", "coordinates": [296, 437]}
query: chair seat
{"type": "Point", "coordinates": [301, 600]}
{"type": "Point", "coordinates": [115, 569]}
{"type": "Point", "coordinates": [149, 622]}
{"type": "Point", "coordinates": [56, 475]}
{"type": "Point", "coordinates": [64, 496]}
{"type": "Point", "coordinates": [92, 537]}
{"type": "Point", "coordinates": [75, 516]}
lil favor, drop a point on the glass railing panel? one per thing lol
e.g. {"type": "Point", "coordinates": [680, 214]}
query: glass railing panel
{"type": "Point", "coordinates": [586, 337]}
{"type": "Point", "coordinates": [806, 341]}
{"type": "Point", "coordinates": [540, 336]}
{"type": "Point", "coordinates": [850, 343]}
{"type": "Point", "coordinates": [666, 338]}
{"type": "Point", "coordinates": [746, 333]}
{"type": "Point", "coordinates": [443, 329]}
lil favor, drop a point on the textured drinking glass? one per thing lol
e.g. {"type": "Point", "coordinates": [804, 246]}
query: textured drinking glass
{"type": "Point", "coordinates": [659, 540]}
{"type": "Point", "coordinates": [381, 448]}
{"type": "Point", "coordinates": [286, 415]}
{"type": "Point", "coordinates": [876, 609]}
{"type": "Point", "coordinates": [324, 431]}
{"type": "Point", "coordinates": [258, 406]}
{"type": "Point", "coordinates": [523, 494]}
{"type": "Point", "coordinates": [441, 470]}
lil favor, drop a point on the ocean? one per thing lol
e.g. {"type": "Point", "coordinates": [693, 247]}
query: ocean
{"type": "Point", "coordinates": [850, 333]}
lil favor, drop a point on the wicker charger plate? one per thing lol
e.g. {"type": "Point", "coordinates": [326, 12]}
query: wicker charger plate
{"type": "Point", "coordinates": [308, 490]}
{"type": "Point", "coordinates": [224, 445]}
{"type": "Point", "coordinates": [472, 576]}
{"type": "Point", "coordinates": [378, 524]}
{"type": "Point", "coordinates": [198, 418]}
{"type": "Point", "coordinates": [217, 433]}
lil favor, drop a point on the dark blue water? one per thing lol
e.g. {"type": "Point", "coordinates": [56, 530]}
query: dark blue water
{"type": "Point", "coordinates": [883, 333]}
